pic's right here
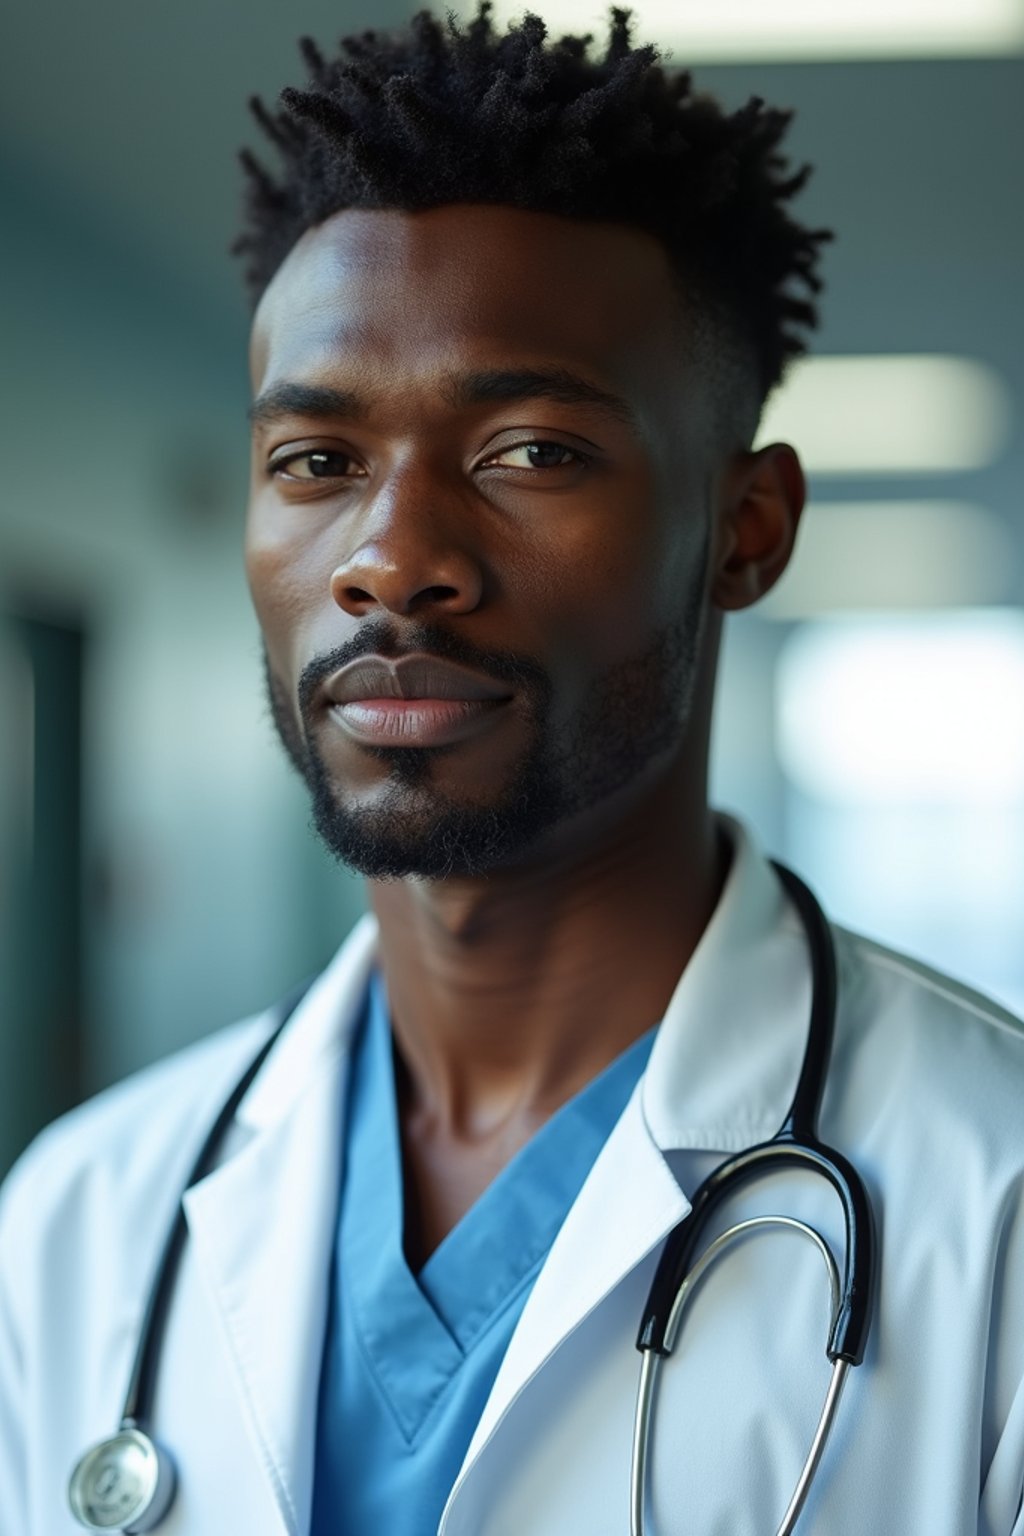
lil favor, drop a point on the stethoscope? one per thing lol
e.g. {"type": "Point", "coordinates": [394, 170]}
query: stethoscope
{"type": "Point", "coordinates": [795, 1145]}
{"type": "Point", "coordinates": [127, 1482]}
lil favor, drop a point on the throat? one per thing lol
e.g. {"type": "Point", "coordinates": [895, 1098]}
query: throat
{"type": "Point", "coordinates": [446, 1171]}
{"type": "Point", "coordinates": [496, 1027]}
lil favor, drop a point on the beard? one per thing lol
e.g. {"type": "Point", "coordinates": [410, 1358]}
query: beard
{"type": "Point", "coordinates": [633, 713]}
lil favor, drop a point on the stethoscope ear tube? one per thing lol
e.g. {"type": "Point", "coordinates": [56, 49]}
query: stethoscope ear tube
{"type": "Point", "coordinates": [852, 1325]}
{"type": "Point", "coordinates": [794, 1146]}
{"type": "Point", "coordinates": [849, 1336]}
{"type": "Point", "coordinates": [644, 1415]}
{"type": "Point", "coordinates": [852, 1321]}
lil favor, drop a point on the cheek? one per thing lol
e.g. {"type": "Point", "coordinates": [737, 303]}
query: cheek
{"type": "Point", "coordinates": [287, 584]}
{"type": "Point", "coordinates": [609, 595]}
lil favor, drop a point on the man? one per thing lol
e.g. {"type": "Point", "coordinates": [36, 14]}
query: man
{"type": "Point", "coordinates": [517, 311]}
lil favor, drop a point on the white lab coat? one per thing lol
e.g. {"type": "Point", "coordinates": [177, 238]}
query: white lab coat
{"type": "Point", "coordinates": [926, 1094]}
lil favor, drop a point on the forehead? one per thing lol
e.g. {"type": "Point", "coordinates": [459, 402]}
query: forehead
{"type": "Point", "coordinates": [471, 284]}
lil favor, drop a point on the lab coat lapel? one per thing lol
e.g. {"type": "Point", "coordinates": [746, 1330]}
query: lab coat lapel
{"type": "Point", "coordinates": [261, 1230]}
{"type": "Point", "coordinates": [262, 1225]}
{"type": "Point", "coordinates": [719, 1078]}
{"type": "Point", "coordinates": [628, 1205]}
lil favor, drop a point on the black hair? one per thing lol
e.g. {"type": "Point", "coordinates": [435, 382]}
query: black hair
{"type": "Point", "coordinates": [435, 113]}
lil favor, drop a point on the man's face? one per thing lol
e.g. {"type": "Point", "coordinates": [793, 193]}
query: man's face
{"type": "Point", "coordinates": [478, 529]}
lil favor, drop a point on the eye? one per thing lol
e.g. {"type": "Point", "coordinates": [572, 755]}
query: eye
{"type": "Point", "coordinates": [539, 454]}
{"type": "Point", "coordinates": [316, 464]}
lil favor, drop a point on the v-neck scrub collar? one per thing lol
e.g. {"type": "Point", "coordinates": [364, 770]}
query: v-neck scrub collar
{"type": "Point", "coordinates": [409, 1359]}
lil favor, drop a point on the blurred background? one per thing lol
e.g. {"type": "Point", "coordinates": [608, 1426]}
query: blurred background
{"type": "Point", "coordinates": [157, 877]}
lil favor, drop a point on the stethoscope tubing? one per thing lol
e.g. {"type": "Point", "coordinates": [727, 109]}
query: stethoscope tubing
{"type": "Point", "coordinates": [795, 1145]}
{"type": "Point", "coordinates": [651, 1360]}
{"type": "Point", "coordinates": [138, 1402]}
{"type": "Point", "coordinates": [127, 1482]}
{"type": "Point", "coordinates": [852, 1320]}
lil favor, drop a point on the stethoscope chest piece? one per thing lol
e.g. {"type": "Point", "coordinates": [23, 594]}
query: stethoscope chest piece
{"type": "Point", "coordinates": [127, 1483]}
{"type": "Point", "coordinates": [124, 1483]}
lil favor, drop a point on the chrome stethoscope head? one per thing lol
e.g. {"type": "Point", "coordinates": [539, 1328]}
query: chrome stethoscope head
{"type": "Point", "coordinates": [125, 1483]}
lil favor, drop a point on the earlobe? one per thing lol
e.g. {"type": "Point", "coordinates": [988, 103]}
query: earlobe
{"type": "Point", "coordinates": [760, 500]}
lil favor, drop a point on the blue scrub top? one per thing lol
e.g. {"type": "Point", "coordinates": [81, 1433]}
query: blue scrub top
{"type": "Point", "coordinates": [409, 1360]}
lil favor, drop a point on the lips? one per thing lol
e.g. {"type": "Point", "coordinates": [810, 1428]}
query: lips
{"type": "Point", "coordinates": [412, 701]}
{"type": "Point", "coordinates": [411, 677]}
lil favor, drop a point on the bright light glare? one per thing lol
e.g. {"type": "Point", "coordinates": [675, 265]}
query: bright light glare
{"type": "Point", "coordinates": [890, 414]}
{"type": "Point", "coordinates": [800, 29]}
{"type": "Point", "coordinates": [906, 709]}
{"type": "Point", "coordinates": [894, 555]}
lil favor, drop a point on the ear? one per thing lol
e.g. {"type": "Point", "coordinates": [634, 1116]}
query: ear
{"type": "Point", "coordinates": [760, 498]}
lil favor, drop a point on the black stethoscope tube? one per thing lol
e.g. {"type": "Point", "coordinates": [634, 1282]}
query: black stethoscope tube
{"type": "Point", "coordinates": [135, 1466]}
{"type": "Point", "coordinates": [795, 1145]}
{"type": "Point", "coordinates": [138, 1403]}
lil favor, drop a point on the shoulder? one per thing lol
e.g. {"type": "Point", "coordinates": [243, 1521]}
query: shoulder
{"type": "Point", "coordinates": [117, 1156]}
{"type": "Point", "coordinates": [934, 1058]}
{"type": "Point", "coordinates": [130, 1132]}
{"type": "Point", "coordinates": [910, 996]}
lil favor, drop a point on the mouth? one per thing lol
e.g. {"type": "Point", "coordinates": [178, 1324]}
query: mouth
{"type": "Point", "coordinates": [412, 701]}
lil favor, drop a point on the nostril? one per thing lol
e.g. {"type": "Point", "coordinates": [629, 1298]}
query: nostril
{"type": "Point", "coordinates": [391, 585]}
{"type": "Point", "coordinates": [428, 595]}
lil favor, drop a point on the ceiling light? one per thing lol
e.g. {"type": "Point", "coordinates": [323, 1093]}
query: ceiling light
{"type": "Point", "coordinates": [893, 555]}
{"type": "Point", "coordinates": [917, 708]}
{"type": "Point", "coordinates": [743, 30]}
{"type": "Point", "coordinates": [887, 414]}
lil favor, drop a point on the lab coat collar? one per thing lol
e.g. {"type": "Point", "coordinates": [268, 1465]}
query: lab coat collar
{"type": "Point", "coordinates": [627, 1206]}
{"type": "Point", "coordinates": [727, 1056]}
{"type": "Point", "coordinates": [261, 1230]}
{"type": "Point", "coordinates": [720, 1077]}
{"type": "Point", "coordinates": [318, 1032]}
{"type": "Point", "coordinates": [262, 1227]}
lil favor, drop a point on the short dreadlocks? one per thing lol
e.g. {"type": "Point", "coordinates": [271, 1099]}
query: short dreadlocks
{"type": "Point", "coordinates": [435, 114]}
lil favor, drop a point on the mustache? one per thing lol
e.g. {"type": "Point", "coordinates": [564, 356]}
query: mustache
{"type": "Point", "coordinates": [380, 637]}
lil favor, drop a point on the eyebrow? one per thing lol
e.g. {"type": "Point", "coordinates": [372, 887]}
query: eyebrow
{"type": "Point", "coordinates": [317, 400]}
{"type": "Point", "coordinates": [557, 384]}
{"type": "Point", "coordinates": [491, 385]}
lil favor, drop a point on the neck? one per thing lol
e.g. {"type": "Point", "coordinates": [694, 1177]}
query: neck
{"type": "Point", "coordinates": [509, 993]}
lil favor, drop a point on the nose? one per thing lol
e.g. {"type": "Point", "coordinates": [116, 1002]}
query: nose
{"type": "Point", "coordinates": [411, 557]}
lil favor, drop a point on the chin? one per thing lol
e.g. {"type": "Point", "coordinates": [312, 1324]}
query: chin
{"type": "Point", "coordinates": [410, 832]}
